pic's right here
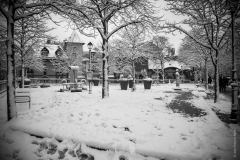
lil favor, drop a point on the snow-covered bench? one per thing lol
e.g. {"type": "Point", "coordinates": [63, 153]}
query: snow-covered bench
{"type": "Point", "coordinates": [201, 85]}
{"type": "Point", "coordinates": [22, 95]}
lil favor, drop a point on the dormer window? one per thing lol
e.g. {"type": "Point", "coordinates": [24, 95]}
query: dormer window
{"type": "Point", "coordinates": [58, 52]}
{"type": "Point", "coordinates": [74, 49]}
{"type": "Point", "coordinates": [44, 52]}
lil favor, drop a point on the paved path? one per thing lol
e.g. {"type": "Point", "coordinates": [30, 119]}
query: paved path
{"type": "Point", "coordinates": [223, 116]}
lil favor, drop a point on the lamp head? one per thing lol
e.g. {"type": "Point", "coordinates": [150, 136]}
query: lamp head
{"type": "Point", "coordinates": [90, 45]}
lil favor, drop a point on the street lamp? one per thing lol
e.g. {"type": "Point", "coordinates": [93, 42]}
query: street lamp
{"type": "Point", "coordinates": [89, 77]}
{"type": "Point", "coordinates": [232, 5]}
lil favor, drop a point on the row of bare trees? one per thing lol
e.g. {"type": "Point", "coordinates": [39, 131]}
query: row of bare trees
{"type": "Point", "coordinates": [129, 49]}
{"type": "Point", "coordinates": [210, 28]}
{"type": "Point", "coordinates": [135, 45]}
{"type": "Point", "coordinates": [22, 22]}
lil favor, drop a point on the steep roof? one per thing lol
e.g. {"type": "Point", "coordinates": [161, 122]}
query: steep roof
{"type": "Point", "coordinates": [167, 64]}
{"type": "Point", "coordinates": [75, 37]}
{"type": "Point", "coordinates": [52, 48]}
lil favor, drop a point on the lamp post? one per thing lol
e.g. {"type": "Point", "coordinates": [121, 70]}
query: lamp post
{"type": "Point", "coordinates": [90, 46]}
{"type": "Point", "coordinates": [232, 5]}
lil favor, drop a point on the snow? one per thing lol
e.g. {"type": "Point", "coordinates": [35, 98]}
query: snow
{"type": "Point", "coordinates": [136, 125]}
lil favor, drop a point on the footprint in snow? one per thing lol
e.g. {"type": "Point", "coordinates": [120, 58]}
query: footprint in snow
{"type": "Point", "coordinates": [53, 149]}
{"type": "Point", "coordinates": [122, 157]}
{"type": "Point", "coordinates": [184, 138]}
{"type": "Point", "coordinates": [97, 114]}
{"type": "Point", "coordinates": [104, 125]}
{"type": "Point", "coordinates": [172, 126]}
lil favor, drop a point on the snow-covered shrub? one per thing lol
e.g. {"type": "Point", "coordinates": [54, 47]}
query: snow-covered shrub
{"type": "Point", "coordinates": [121, 76]}
{"type": "Point", "coordinates": [123, 79]}
{"type": "Point", "coordinates": [130, 77]}
{"type": "Point", "coordinates": [144, 73]}
{"type": "Point", "coordinates": [64, 81]}
{"type": "Point", "coordinates": [147, 79]}
{"type": "Point", "coordinates": [83, 81]}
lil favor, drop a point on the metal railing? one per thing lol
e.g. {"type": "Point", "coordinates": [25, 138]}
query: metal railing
{"type": "Point", "coordinates": [3, 86]}
{"type": "Point", "coordinates": [50, 81]}
{"type": "Point", "coordinates": [58, 81]}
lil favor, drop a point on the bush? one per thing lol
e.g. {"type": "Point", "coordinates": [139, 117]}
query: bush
{"type": "Point", "coordinates": [64, 81]}
{"type": "Point", "coordinates": [147, 79]}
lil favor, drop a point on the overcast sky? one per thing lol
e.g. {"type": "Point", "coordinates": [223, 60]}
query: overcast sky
{"type": "Point", "coordinates": [62, 32]}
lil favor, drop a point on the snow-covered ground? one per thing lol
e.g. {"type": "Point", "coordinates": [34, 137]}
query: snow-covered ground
{"type": "Point", "coordinates": [127, 125]}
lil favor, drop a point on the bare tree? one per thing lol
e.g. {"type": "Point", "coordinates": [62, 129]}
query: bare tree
{"type": "Point", "coordinates": [158, 49]}
{"type": "Point", "coordinates": [213, 19]}
{"type": "Point", "coordinates": [130, 50]}
{"type": "Point", "coordinates": [193, 54]}
{"type": "Point", "coordinates": [30, 34]}
{"type": "Point", "coordinates": [107, 17]}
{"type": "Point", "coordinates": [12, 12]}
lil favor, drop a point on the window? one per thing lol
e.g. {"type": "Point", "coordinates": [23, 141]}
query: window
{"type": "Point", "coordinates": [29, 70]}
{"type": "Point", "coordinates": [58, 73]}
{"type": "Point", "coordinates": [58, 52]}
{"type": "Point", "coordinates": [74, 49]}
{"type": "Point", "coordinates": [44, 52]}
{"type": "Point", "coordinates": [74, 54]}
{"type": "Point", "coordinates": [45, 71]}
{"type": "Point", "coordinates": [94, 68]}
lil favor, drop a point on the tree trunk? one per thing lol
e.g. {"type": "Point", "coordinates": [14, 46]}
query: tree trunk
{"type": "Point", "coordinates": [134, 84]}
{"type": "Point", "coordinates": [11, 105]}
{"type": "Point", "coordinates": [200, 73]}
{"type": "Point", "coordinates": [22, 76]}
{"type": "Point", "coordinates": [195, 77]}
{"type": "Point", "coordinates": [206, 74]}
{"type": "Point", "coordinates": [162, 72]}
{"type": "Point", "coordinates": [216, 86]}
{"type": "Point", "coordinates": [105, 85]}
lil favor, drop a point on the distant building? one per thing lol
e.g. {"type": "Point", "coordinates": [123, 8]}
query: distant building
{"type": "Point", "coordinates": [73, 47]}
{"type": "Point", "coordinates": [48, 53]}
{"type": "Point", "coordinates": [170, 65]}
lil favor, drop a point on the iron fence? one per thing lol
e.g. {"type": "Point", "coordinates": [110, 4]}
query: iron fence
{"type": "Point", "coordinates": [3, 86]}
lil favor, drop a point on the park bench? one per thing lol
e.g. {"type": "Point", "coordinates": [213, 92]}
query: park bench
{"type": "Point", "coordinates": [201, 85]}
{"type": "Point", "coordinates": [198, 85]}
{"type": "Point", "coordinates": [208, 93]}
{"type": "Point", "coordinates": [22, 95]}
{"type": "Point", "coordinates": [185, 81]}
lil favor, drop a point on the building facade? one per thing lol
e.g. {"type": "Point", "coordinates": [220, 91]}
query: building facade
{"type": "Point", "coordinates": [71, 51]}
